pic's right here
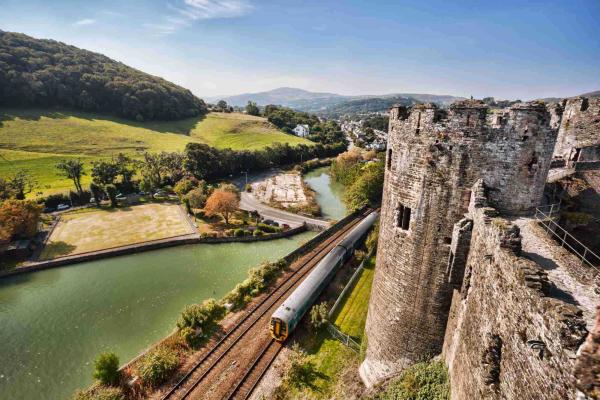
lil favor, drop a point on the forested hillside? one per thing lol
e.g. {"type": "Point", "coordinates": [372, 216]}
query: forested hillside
{"type": "Point", "coordinates": [45, 73]}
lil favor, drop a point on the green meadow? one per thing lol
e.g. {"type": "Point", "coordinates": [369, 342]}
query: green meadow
{"type": "Point", "coordinates": [37, 139]}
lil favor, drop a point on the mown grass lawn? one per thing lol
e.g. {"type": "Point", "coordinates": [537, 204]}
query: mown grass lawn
{"type": "Point", "coordinates": [37, 139]}
{"type": "Point", "coordinates": [98, 229]}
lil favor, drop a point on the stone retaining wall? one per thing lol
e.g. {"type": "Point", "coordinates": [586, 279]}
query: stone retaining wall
{"type": "Point", "coordinates": [146, 246]}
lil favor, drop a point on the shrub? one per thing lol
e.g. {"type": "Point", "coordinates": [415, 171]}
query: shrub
{"type": "Point", "coordinates": [106, 368]}
{"type": "Point", "coordinates": [258, 280]}
{"type": "Point", "coordinates": [247, 233]}
{"type": "Point", "coordinates": [202, 316]}
{"type": "Point", "coordinates": [184, 186]}
{"type": "Point", "coordinates": [318, 316]}
{"type": "Point", "coordinates": [54, 200]}
{"type": "Point", "coordinates": [248, 187]}
{"type": "Point", "coordinates": [258, 232]}
{"type": "Point", "coordinates": [100, 393]}
{"type": "Point", "coordinates": [156, 366]}
{"type": "Point", "coordinates": [238, 232]}
{"type": "Point", "coordinates": [425, 380]}
{"type": "Point", "coordinates": [189, 336]}
{"type": "Point", "coordinates": [269, 228]}
{"type": "Point", "coordinates": [80, 199]}
{"type": "Point", "coordinates": [111, 191]}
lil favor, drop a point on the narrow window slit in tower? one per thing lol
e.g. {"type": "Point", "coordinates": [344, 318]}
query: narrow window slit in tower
{"type": "Point", "coordinates": [418, 123]}
{"type": "Point", "coordinates": [403, 217]}
{"type": "Point", "coordinates": [389, 160]}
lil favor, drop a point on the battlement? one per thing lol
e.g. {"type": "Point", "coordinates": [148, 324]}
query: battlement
{"type": "Point", "coordinates": [473, 118]}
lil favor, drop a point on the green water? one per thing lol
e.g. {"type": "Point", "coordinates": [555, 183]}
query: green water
{"type": "Point", "coordinates": [329, 193]}
{"type": "Point", "coordinates": [53, 323]}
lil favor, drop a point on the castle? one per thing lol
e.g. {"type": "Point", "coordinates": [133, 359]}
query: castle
{"type": "Point", "coordinates": [451, 277]}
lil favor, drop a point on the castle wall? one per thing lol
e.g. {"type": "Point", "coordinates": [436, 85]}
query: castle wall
{"type": "Point", "coordinates": [506, 339]}
{"type": "Point", "coordinates": [433, 158]}
{"type": "Point", "coordinates": [579, 129]}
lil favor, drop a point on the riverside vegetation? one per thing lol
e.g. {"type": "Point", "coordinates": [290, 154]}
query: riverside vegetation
{"type": "Point", "coordinates": [195, 326]}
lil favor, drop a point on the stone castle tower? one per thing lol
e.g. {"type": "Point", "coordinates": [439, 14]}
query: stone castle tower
{"type": "Point", "coordinates": [434, 157]}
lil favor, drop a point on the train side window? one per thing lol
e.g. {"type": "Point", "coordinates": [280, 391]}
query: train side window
{"type": "Point", "coordinates": [403, 217]}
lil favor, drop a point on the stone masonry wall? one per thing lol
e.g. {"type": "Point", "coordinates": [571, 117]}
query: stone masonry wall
{"type": "Point", "coordinates": [506, 338]}
{"type": "Point", "coordinates": [433, 158]}
{"type": "Point", "coordinates": [579, 129]}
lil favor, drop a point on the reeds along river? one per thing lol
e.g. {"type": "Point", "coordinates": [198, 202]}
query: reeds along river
{"type": "Point", "coordinates": [54, 323]}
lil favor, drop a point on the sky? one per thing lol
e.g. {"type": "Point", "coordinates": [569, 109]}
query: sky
{"type": "Point", "coordinates": [506, 49]}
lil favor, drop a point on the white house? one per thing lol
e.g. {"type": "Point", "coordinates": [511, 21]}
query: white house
{"type": "Point", "coordinates": [301, 130]}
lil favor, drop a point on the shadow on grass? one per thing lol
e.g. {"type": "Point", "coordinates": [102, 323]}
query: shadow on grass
{"type": "Point", "coordinates": [182, 126]}
{"type": "Point", "coordinates": [56, 249]}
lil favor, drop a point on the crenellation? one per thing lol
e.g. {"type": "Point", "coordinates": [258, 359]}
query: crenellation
{"type": "Point", "coordinates": [434, 159]}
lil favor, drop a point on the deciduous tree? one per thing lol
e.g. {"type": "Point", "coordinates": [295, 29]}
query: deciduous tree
{"type": "Point", "coordinates": [19, 218]}
{"type": "Point", "coordinates": [222, 202]}
{"type": "Point", "coordinates": [72, 169]}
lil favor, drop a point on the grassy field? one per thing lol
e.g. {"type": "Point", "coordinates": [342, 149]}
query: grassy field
{"type": "Point", "coordinates": [352, 316]}
{"type": "Point", "coordinates": [333, 367]}
{"type": "Point", "coordinates": [37, 139]}
{"type": "Point", "coordinates": [92, 230]}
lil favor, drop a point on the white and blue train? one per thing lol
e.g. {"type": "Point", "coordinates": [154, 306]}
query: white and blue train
{"type": "Point", "coordinates": [286, 317]}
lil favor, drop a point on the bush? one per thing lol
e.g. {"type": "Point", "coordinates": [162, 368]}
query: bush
{"type": "Point", "coordinates": [100, 393]}
{"type": "Point", "coordinates": [106, 368]}
{"type": "Point", "coordinates": [189, 335]}
{"type": "Point", "coordinates": [258, 280]}
{"type": "Point", "coordinates": [54, 200]}
{"type": "Point", "coordinates": [269, 228]}
{"type": "Point", "coordinates": [184, 186]}
{"type": "Point", "coordinates": [258, 232]}
{"type": "Point", "coordinates": [426, 380]}
{"type": "Point", "coordinates": [318, 316]}
{"type": "Point", "coordinates": [80, 199]}
{"type": "Point", "coordinates": [247, 233]}
{"type": "Point", "coordinates": [248, 187]}
{"type": "Point", "coordinates": [156, 366]}
{"type": "Point", "coordinates": [111, 191]}
{"type": "Point", "coordinates": [238, 232]}
{"type": "Point", "coordinates": [202, 316]}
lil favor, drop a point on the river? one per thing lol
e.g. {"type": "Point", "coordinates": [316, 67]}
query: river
{"type": "Point", "coordinates": [53, 323]}
{"type": "Point", "coordinates": [329, 193]}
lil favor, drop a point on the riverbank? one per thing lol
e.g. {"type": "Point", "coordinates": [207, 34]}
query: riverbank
{"type": "Point", "coordinates": [56, 321]}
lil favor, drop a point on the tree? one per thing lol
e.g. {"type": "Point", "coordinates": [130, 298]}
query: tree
{"type": "Point", "coordinates": [20, 184]}
{"type": "Point", "coordinates": [126, 168]}
{"type": "Point", "coordinates": [197, 197]}
{"type": "Point", "coordinates": [19, 218]}
{"type": "Point", "coordinates": [104, 172]}
{"type": "Point", "coordinates": [184, 186]}
{"type": "Point", "coordinates": [222, 202]}
{"type": "Point", "coordinates": [367, 188]}
{"type": "Point", "coordinates": [222, 104]}
{"type": "Point", "coordinates": [252, 108]}
{"type": "Point", "coordinates": [72, 169]}
{"type": "Point", "coordinates": [111, 191]}
{"type": "Point", "coordinates": [106, 368]}
{"type": "Point", "coordinates": [96, 192]}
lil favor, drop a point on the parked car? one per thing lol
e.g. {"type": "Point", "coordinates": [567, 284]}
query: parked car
{"type": "Point", "coordinates": [92, 200]}
{"type": "Point", "coordinates": [161, 193]}
{"type": "Point", "coordinates": [120, 196]}
{"type": "Point", "coordinates": [62, 206]}
{"type": "Point", "coordinates": [48, 210]}
{"type": "Point", "coordinates": [142, 193]}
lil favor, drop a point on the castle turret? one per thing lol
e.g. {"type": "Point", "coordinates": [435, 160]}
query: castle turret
{"type": "Point", "coordinates": [433, 158]}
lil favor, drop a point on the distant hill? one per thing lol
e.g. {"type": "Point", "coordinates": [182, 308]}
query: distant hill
{"type": "Point", "coordinates": [47, 73]}
{"type": "Point", "coordinates": [595, 93]}
{"type": "Point", "coordinates": [330, 104]}
{"type": "Point", "coordinates": [284, 96]}
{"type": "Point", "coordinates": [559, 99]}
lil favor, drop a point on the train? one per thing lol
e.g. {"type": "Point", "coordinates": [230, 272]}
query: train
{"type": "Point", "coordinates": [285, 319]}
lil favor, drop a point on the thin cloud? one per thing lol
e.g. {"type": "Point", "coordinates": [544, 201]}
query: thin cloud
{"type": "Point", "coordinates": [196, 10]}
{"type": "Point", "coordinates": [84, 22]}
{"type": "Point", "coordinates": [210, 9]}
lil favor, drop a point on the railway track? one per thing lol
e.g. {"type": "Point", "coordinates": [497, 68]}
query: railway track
{"type": "Point", "coordinates": [249, 324]}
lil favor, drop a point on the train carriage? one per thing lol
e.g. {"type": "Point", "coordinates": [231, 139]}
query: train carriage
{"type": "Point", "coordinates": [285, 319]}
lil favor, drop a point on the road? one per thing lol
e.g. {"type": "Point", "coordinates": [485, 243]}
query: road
{"type": "Point", "coordinates": [250, 203]}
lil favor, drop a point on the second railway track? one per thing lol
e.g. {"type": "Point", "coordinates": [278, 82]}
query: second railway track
{"type": "Point", "coordinates": [249, 328]}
